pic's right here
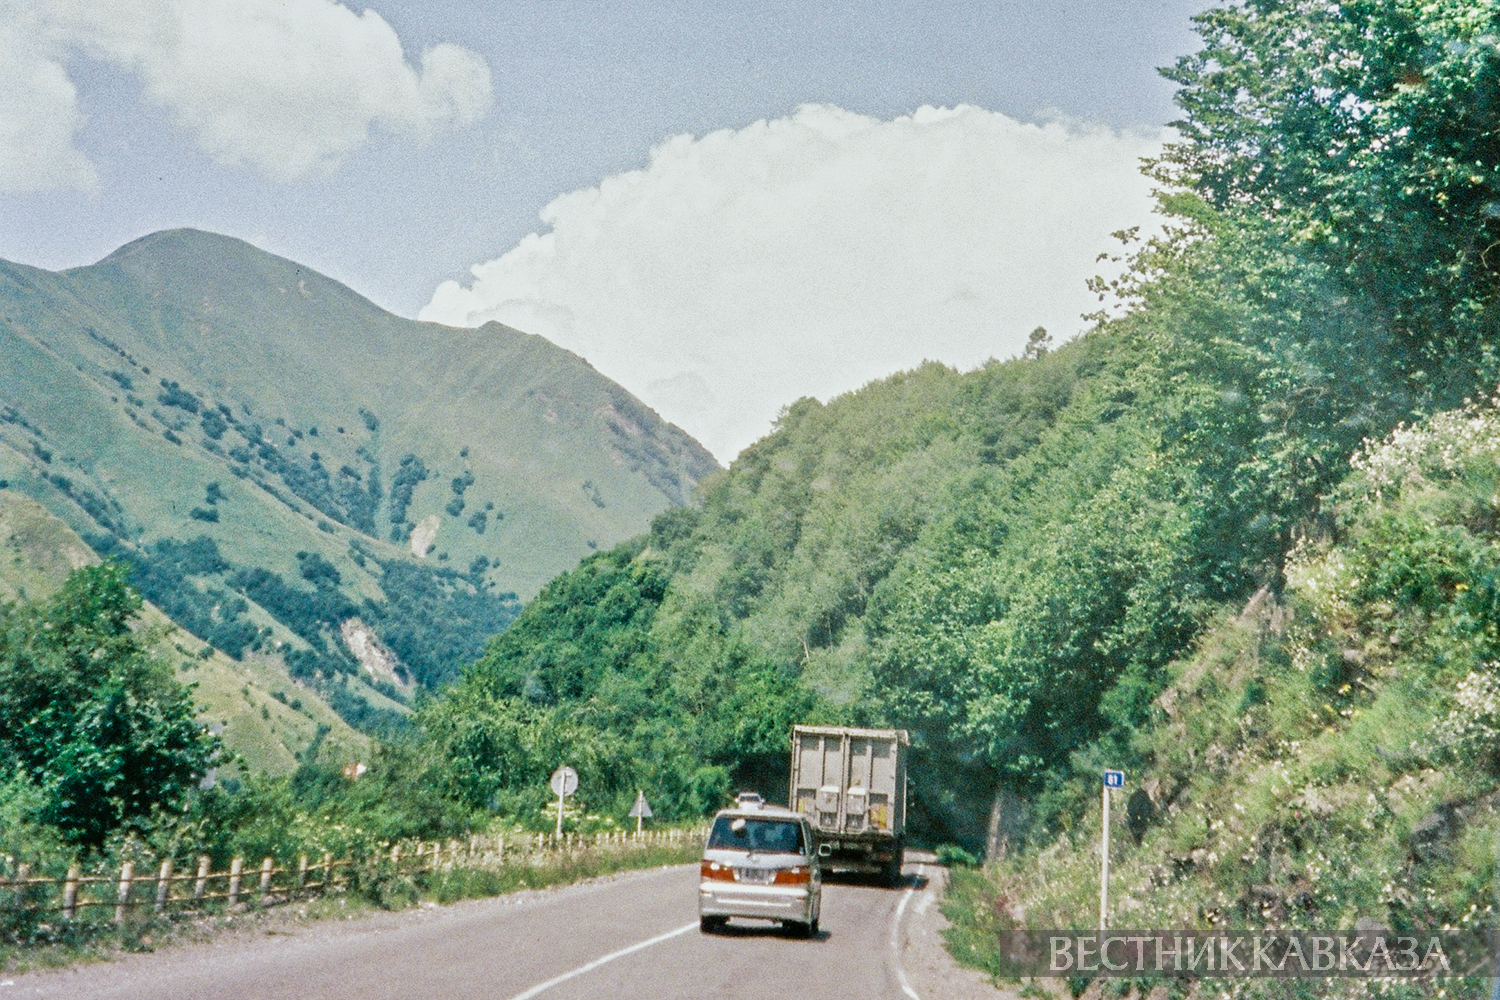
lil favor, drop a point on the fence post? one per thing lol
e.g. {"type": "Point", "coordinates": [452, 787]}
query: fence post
{"type": "Point", "coordinates": [122, 896]}
{"type": "Point", "coordinates": [266, 867]}
{"type": "Point", "coordinates": [437, 854]}
{"type": "Point", "coordinates": [70, 893]}
{"type": "Point", "coordinates": [201, 885]}
{"type": "Point", "coordinates": [327, 871]}
{"type": "Point", "coordinates": [500, 846]}
{"type": "Point", "coordinates": [396, 858]}
{"type": "Point", "coordinates": [164, 884]}
{"type": "Point", "coordinates": [301, 873]}
{"type": "Point", "coordinates": [236, 870]}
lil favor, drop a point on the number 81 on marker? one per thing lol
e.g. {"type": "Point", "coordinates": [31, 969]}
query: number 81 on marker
{"type": "Point", "coordinates": [1114, 779]}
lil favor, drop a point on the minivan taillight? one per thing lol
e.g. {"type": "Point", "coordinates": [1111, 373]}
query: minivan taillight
{"type": "Point", "coordinates": [801, 875]}
{"type": "Point", "coordinates": [713, 871]}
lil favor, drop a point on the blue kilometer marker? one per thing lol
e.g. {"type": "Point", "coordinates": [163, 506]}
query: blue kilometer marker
{"type": "Point", "coordinates": [1112, 779]}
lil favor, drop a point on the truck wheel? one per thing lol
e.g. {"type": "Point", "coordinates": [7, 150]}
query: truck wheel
{"type": "Point", "coordinates": [711, 925]}
{"type": "Point", "coordinates": [892, 874]}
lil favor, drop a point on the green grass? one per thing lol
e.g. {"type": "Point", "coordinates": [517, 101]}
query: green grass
{"type": "Point", "coordinates": [454, 884]}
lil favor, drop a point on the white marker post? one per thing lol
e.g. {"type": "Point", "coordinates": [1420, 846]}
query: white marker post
{"type": "Point", "coordinates": [564, 783]}
{"type": "Point", "coordinates": [1112, 779]}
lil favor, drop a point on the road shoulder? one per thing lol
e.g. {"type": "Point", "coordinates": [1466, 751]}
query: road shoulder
{"type": "Point", "coordinates": [930, 969]}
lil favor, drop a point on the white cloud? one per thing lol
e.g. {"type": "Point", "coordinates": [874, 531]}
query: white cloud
{"type": "Point", "coordinates": [812, 253]}
{"type": "Point", "coordinates": [289, 87]}
{"type": "Point", "coordinates": [38, 116]}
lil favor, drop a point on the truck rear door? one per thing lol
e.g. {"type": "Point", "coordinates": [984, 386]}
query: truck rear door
{"type": "Point", "coordinates": [820, 774]}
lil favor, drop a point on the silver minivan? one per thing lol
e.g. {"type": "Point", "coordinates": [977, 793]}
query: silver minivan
{"type": "Point", "coordinates": [760, 862]}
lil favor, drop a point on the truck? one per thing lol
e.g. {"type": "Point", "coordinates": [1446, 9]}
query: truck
{"type": "Point", "coordinates": [851, 785]}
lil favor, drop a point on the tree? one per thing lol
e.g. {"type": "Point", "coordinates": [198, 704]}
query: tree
{"type": "Point", "coordinates": [1038, 344]}
{"type": "Point", "coordinates": [1365, 133]}
{"type": "Point", "coordinates": [89, 716]}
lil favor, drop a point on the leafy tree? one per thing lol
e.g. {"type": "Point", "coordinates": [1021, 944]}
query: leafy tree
{"type": "Point", "coordinates": [88, 716]}
{"type": "Point", "coordinates": [1363, 132]}
{"type": "Point", "coordinates": [1038, 343]}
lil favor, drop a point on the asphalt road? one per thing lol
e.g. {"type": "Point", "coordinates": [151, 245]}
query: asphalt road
{"type": "Point", "coordinates": [633, 936]}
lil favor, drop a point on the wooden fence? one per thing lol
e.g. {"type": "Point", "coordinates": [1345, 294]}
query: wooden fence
{"type": "Point", "coordinates": [164, 888]}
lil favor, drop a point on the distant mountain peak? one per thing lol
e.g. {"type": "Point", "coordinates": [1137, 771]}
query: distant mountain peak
{"type": "Point", "coordinates": [173, 245]}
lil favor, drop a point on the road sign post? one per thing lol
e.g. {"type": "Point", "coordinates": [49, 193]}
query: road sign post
{"type": "Point", "coordinates": [640, 810]}
{"type": "Point", "coordinates": [1112, 779]}
{"type": "Point", "coordinates": [564, 783]}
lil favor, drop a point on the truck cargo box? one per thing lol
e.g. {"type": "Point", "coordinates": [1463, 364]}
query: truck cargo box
{"type": "Point", "coordinates": [851, 785]}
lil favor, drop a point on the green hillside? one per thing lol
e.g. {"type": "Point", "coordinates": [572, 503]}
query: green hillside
{"type": "Point", "coordinates": [280, 460]}
{"type": "Point", "coordinates": [1326, 756]}
{"type": "Point", "coordinates": [262, 716]}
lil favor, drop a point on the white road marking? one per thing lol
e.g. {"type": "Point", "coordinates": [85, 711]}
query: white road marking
{"type": "Point", "coordinates": [591, 966]}
{"type": "Point", "coordinates": [896, 942]}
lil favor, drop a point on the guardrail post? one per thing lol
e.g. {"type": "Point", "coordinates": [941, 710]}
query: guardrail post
{"type": "Point", "coordinates": [201, 885]}
{"type": "Point", "coordinates": [236, 871]}
{"type": "Point", "coordinates": [266, 868]}
{"type": "Point", "coordinates": [70, 893]}
{"type": "Point", "coordinates": [122, 896]}
{"type": "Point", "coordinates": [164, 885]}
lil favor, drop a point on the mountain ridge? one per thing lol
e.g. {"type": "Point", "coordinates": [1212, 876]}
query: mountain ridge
{"type": "Point", "coordinates": [230, 420]}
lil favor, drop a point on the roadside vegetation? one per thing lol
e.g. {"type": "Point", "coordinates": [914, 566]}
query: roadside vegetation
{"type": "Point", "coordinates": [1326, 757]}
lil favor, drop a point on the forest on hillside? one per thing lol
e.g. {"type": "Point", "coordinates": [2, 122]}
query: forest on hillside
{"type": "Point", "coordinates": [1017, 563]}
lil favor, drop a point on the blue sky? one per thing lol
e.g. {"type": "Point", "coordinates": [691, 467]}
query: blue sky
{"type": "Point", "coordinates": [398, 149]}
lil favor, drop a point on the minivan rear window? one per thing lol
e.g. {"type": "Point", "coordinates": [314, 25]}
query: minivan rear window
{"type": "Point", "coordinates": [767, 836]}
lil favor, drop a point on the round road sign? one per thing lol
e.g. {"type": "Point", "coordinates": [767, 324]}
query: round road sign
{"type": "Point", "coordinates": [564, 781]}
